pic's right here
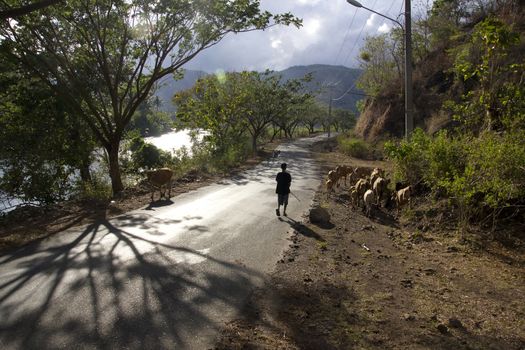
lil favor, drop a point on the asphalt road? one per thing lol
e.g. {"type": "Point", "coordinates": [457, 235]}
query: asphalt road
{"type": "Point", "coordinates": [164, 277]}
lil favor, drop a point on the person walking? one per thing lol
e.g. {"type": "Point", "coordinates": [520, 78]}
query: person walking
{"type": "Point", "coordinates": [284, 179]}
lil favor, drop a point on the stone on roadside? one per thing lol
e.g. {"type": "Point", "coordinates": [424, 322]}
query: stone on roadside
{"type": "Point", "coordinates": [455, 323]}
{"type": "Point", "coordinates": [442, 328]}
{"type": "Point", "coordinates": [319, 215]}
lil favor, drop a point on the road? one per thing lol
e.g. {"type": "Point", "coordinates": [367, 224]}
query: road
{"type": "Point", "coordinates": [163, 277]}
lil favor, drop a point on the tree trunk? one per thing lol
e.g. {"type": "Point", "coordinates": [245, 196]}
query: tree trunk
{"type": "Point", "coordinates": [114, 168]}
{"type": "Point", "coordinates": [85, 174]}
{"type": "Point", "coordinates": [275, 131]}
{"type": "Point", "coordinates": [254, 145]}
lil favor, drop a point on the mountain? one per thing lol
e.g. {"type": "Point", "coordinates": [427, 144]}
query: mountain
{"type": "Point", "coordinates": [326, 79]}
{"type": "Point", "coordinates": [169, 86]}
{"type": "Point", "coordinates": [337, 81]}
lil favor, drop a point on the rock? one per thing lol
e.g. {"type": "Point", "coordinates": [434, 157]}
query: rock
{"type": "Point", "coordinates": [408, 317]}
{"type": "Point", "coordinates": [442, 328]}
{"type": "Point", "coordinates": [430, 272]}
{"type": "Point", "coordinates": [452, 249]}
{"type": "Point", "coordinates": [407, 283]}
{"type": "Point", "coordinates": [319, 215]}
{"type": "Point", "coordinates": [455, 323]}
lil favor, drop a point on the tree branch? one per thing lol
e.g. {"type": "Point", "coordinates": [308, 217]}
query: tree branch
{"type": "Point", "coordinates": [24, 10]}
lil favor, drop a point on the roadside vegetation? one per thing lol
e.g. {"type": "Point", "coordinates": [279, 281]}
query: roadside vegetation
{"type": "Point", "coordinates": [468, 150]}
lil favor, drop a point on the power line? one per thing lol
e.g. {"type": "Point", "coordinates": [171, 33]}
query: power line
{"type": "Point", "coordinates": [358, 38]}
{"type": "Point", "coordinates": [346, 36]}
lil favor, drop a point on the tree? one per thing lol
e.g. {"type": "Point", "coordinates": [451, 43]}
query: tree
{"type": "Point", "coordinates": [229, 105]}
{"type": "Point", "coordinates": [343, 119]}
{"type": "Point", "coordinates": [15, 12]}
{"type": "Point", "coordinates": [41, 143]}
{"type": "Point", "coordinates": [312, 114]}
{"type": "Point", "coordinates": [149, 120]}
{"type": "Point", "coordinates": [104, 57]}
{"type": "Point", "coordinates": [286, 102]}
{"type": "Point", "coordinates": [379, 59]}
{"type": "Point", "coordinates": [497, 101]}
{"type": "Point", "coordinates": [216, 104]}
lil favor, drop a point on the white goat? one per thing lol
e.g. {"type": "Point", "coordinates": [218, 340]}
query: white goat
{"type": "Point", "coordinates": [369, 201]}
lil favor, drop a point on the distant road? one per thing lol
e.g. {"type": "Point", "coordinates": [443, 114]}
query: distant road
{"type": "Point", "coordinates": [165, 277]}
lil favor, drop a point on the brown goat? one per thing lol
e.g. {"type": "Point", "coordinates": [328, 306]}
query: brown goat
{"type": "Point", "coordinates": [403, 197]}
{"type": "Point", "coordinates": [159, 178]}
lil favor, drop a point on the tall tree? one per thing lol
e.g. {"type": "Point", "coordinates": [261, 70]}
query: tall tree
{"type": "Point", "coordinates": [380, 61]}
{"type": "Point", "coordinates": [103, 57]}
{"type": "Point", "coordinates": [217, 104]}
{"type": "Point", "coordinates": [313, 113]}
{"type": "Point", "coordinates": [41, 143]}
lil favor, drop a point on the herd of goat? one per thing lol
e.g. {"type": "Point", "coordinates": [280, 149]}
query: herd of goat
{"type": "Point", "coordinates": [369, 188]}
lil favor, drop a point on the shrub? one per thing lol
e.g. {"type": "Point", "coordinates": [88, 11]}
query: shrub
{"type": "Point", "coordinates": [480, 174]}
{"type": "Point", "coordinates": [408, 157]}
{"type": "Point", "coordinates": [354, 147]}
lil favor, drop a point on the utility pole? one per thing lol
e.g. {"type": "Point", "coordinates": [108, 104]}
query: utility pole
{"type": "Point", "coordinates": [330, 113]}
{"type": "Point", "coordinates": [409, 106]}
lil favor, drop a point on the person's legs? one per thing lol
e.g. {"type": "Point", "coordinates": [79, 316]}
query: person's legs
{"type": "Point", "coordinates": [279, 203]}
{"type": "Point", "coordinates": [285, 203]}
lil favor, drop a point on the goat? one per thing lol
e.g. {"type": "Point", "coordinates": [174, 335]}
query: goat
{"type": "Point", "coordinates": [343, 172]}
{"type": "Point", "coordinates": [159, 178]}
{"type": "Point", "coordinates": [379, 188]}
{"type": "Point", "coordinates": [354, 197]}
{"type": "Point", "coordinates": [333, 176]}
{"type": "Point", "coordinates": [376, 173]}
{"type": "Point", "coordinates": [403, 197]}
{"type": "Point", "coordinates": [361, 186]}
{"type": "Point", "coordinates": [361, 172]}
{"type": "Point", "coordinates": [368, 199]}
{"type": "Point", "coordinates": [329, 185]}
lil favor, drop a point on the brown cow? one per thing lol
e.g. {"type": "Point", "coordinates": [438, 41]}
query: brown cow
{"type": "Point", "coordinates": [159, 178]}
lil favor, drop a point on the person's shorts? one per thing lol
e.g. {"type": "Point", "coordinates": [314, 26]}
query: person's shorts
{"type": "Point", "coordinates": [282, 199]}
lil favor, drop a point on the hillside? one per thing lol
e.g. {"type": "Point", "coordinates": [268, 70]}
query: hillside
{"type": "Point", "coordinates": [445, 71]}
{"type": "Point", "coordinates": [323, 75]}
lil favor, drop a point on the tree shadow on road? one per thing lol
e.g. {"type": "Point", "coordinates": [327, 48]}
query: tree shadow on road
{"type": "Point", "coordinates": [107, 287]}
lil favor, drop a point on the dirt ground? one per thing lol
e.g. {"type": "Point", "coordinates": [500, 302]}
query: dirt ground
{"type": "Point", "coordinates": [385, 283]}
{"type": "Point", "coordinates": [356, 283]}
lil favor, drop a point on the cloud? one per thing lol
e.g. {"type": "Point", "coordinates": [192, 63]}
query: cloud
{"type": "Point", "coordinates": [370, 20]}
{"type": "Point", "coordinates": [332, 33]}
{"type": "Point", "coordinates": [384, 28]}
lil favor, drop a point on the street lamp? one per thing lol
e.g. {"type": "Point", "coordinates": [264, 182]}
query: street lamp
{"type": "Point", "coordinates": [409, 115]}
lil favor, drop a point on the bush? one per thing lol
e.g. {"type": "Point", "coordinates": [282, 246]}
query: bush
{"type": "Point", "coordinates": [408, 157]}
{"type": "Point", "coordinates": [146, 155]}
{"type": "Point", "coordinates": [480, 174]}
{"type": "Point", "coordinates": [354, 147]}
{"type": "Point", "coordinates": [96, 190]}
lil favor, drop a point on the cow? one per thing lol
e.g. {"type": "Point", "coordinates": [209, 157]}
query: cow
{"type": "Point", "coordinates": [159, 178]}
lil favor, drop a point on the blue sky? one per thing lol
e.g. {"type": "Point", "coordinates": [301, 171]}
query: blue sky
{"type": "Point", "coordinates": [333, 32]}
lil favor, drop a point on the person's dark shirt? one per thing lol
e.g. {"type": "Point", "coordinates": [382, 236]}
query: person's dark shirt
{"type": "Point", "coordinates": [284, 180]}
